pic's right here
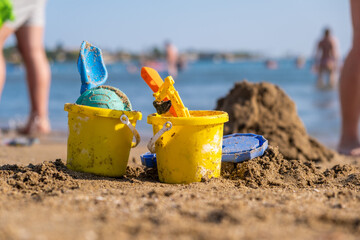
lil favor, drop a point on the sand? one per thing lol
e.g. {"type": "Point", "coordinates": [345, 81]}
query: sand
{"type": "Point", "coordinates": [275, 196]}
{"type": "Point", "coordinates": [263, 108]}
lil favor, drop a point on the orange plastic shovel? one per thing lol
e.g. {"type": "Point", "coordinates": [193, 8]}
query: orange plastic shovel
{"type": "Point", "coordinates": [153, 79]}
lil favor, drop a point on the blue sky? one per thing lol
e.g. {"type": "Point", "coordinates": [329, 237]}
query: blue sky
{"type": "Point", "coordinates": [272, 27]}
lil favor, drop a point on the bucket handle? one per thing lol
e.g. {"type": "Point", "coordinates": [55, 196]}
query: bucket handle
{"type": "Point", "coordinates": [125, 120]}
{"type": "Point", "coordinates": [151, 145]}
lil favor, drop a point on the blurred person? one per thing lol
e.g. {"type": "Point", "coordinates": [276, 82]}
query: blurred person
{"type": "Point", "coordinates": [171, 58]}
{"type": "Point", "coordinates": [182, 63]}
{"type": "Point", "coordinates": [28, 28]}
{"type": "Point", "coordinates": [326, 60]}
{"type": "Point", "coordinates": [271, 64]}
{"type": "Point", "coordinates": [300, 62]}
{"type": "Point", "coordinates": [350, 90]}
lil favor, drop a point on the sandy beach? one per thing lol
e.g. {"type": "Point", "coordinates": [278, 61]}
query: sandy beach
{"type": "Point", "coordinates": [288, 193]}
{"type": "Point", "coordinates": [45, 200]}
{"type": "Point", "coordinates": [246, 109]}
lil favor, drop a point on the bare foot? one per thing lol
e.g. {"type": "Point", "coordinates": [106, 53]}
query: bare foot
{"type": "Point", "coordinates": [36, 126]}
{"type": "Point", "coordinates": [349, 150]}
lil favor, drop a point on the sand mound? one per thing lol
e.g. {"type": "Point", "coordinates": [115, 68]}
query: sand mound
{"type": "Point", "coordinates": [273, 170]}
{"type": "Point", "coordinates": [142, 173]}
{"type": "Point", "coordinates": [52, 178]}
{"type": "Point", "coordinates": [263, 108]}
{"type": "Point", "coordinates": [348, 175]}
{"type": "Point", "coordinates": [48, 178]}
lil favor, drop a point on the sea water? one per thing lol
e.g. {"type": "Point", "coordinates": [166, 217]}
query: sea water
{"type": "Point", "coordinates": [200, 85]}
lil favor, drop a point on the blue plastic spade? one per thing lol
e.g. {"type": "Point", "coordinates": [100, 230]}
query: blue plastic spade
{"type": "Point", "coordinates": [91, 67]}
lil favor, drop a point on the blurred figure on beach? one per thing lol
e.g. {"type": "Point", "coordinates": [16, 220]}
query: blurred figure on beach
{"type": "Point", "coordinates": [171, 58]}
{"type": "Point", "coordinates": [182, 63]}
{"type": "Point", "coordinates": [28, 28]}
{"type": "Point", "coordinates": [271, 64]}
{"type": "Point", "coordinates": [350, 90]}
{"type": "Point", "coordinates": [300, 62]}
{"type": "Point", "coordinates": [326, 60]}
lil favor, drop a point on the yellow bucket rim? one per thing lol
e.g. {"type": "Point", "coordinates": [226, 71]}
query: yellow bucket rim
{"type": "Point", "coordinates": [101, 112]}
{"type": "Point", "coordinates": [198, 117]}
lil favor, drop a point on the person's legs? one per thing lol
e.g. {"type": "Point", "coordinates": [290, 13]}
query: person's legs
{"type": "Point", "coordinates": [332, 79]}
{"type": "Point", "coordinates": [350, 90]}
{"type": "Point", "coordinates": [331, 68]}
{"type": "Point", "coordinates": [5, 32]}
{"type": "Point", "coordinates": [30, 43]}
{"type": "Point", "coordinates": [320, 81]}
{"type": "Point", "coordinates": [172, 69]}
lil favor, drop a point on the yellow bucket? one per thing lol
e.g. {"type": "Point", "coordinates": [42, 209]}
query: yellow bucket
{"type": "Point", "coordinates": [188, 149]}
{"type": "Point", "coordinates": [100, 139]}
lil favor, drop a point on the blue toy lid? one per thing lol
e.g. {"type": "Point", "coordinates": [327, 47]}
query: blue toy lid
{"type": "Point", "coordinates": [237, 147]}
{"type": "Point", "coordinates": [148, 159]}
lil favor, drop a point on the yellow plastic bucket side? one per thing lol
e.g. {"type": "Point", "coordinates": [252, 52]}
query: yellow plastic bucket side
{"type": "Point", "coordinates": [101, 112]}
{"type": "Point", "coordinates": [199, 117]}
{"type": "Point", "coordinates": [188, 153]}
{"type": "Point", "coordinates": [99, 145]}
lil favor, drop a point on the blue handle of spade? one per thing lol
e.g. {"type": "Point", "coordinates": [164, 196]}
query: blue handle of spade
{"type": "Point", "coordinates": [91, 67]}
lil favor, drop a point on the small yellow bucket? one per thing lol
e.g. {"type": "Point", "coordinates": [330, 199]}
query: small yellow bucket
{"type": "Point", "coordinates": [100, 139]}
{"type": "Point", "coordinates": [188, 149]}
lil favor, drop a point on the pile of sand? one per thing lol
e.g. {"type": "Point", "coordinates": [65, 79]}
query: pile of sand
{"type": "Point", "coordinates": [45, 178]}
{"type": "Point", "coordinates": [53, 178]}
{"type": "Point", "coordinates": [263, 108]}
{"type": "Point", "coordinates": [272, 169]}
{"type": "Point", "coordinates": [269, 170]}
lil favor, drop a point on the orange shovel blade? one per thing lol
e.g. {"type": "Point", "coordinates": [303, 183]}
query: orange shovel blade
{"type": "Point", "coordinates": [154, 81]}
{"type": "Point", "coordinates": [152, 78]}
